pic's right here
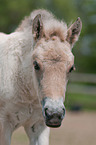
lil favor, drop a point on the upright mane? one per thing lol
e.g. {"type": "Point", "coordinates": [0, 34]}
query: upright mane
{"type": "Point", "coordinates": [52, 26]}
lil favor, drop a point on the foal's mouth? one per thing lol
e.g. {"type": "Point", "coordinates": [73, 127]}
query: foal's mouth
{"type": "Point", "coordinates": [53, 124]}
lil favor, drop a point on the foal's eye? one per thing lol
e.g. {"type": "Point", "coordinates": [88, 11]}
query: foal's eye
{"type": "Point", "coordinates": [36, 65]}
{"type": "Point", "coordinates": [72, 68]}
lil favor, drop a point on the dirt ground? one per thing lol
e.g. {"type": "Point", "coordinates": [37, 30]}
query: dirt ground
{"type": "Point", "coordinates": [78, 128]}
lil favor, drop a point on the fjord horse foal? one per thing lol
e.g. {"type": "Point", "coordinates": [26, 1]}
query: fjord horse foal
{"type": "Point", "coordinates": [35, 62]}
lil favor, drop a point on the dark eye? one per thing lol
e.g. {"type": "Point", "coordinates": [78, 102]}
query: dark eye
{"type": "Point", "coordinates": [36, 65]}
{"type": "Point", "coordinates": [72, 68]}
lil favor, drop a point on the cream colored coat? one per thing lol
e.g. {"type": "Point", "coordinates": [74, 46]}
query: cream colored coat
{"type": "Point", "coordinates": [19, 103]}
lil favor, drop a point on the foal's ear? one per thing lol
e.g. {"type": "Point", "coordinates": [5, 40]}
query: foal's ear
{"type": "Point", "coordinates": [37, 27]}
{"type": "Point", "coordinates": [74, 32]}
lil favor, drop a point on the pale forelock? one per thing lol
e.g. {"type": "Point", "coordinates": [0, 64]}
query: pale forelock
{"type": "Point", "coordinates": [52, 26]}
{"type": "Point", "coordinates": [55, 28]}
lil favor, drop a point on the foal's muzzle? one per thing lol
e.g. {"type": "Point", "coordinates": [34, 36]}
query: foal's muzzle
{"type": "Point", "coordinates": [53, 111]}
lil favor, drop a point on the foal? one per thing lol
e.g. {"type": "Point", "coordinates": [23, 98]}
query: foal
{"type": "Point", "coordinates": [35, 62]}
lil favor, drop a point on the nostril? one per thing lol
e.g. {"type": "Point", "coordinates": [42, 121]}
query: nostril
{"type": "Point", "coordinates": [63, 111]}
{"type": "Point", "coordinates": [60, 117]}
{"type": "Point", "coordinates": [47, 113]}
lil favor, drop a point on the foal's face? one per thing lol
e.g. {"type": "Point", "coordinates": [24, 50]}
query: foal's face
{"type": "Point", "coordinates": [52, 63]}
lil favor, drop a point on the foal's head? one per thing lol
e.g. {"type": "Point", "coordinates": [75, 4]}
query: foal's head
{"type": "Point", "coordinates": [52, 62]}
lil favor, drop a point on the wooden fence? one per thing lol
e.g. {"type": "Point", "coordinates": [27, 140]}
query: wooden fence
{"type": "Point", "coordinates": [82, 84]}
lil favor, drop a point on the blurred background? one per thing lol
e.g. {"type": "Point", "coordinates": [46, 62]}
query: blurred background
{"type": "Point", "coordinates": [81, 90]}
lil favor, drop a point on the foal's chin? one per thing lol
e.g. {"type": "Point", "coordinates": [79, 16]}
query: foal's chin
{"type": "Point", "coordinates": [53, 125]}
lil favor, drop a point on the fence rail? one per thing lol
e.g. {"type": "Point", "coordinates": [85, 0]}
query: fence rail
{"type": "Point", "coordinates": [83, 77]}
{"type": "Point", "coordinates": [82, 84]}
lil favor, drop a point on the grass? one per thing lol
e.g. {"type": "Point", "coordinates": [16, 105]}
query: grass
{"type": "Point", "coordinates": [80, 101]}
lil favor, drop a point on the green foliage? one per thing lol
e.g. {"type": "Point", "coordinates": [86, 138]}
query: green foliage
{"type": "Point", "coordinates": [13, 11]}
